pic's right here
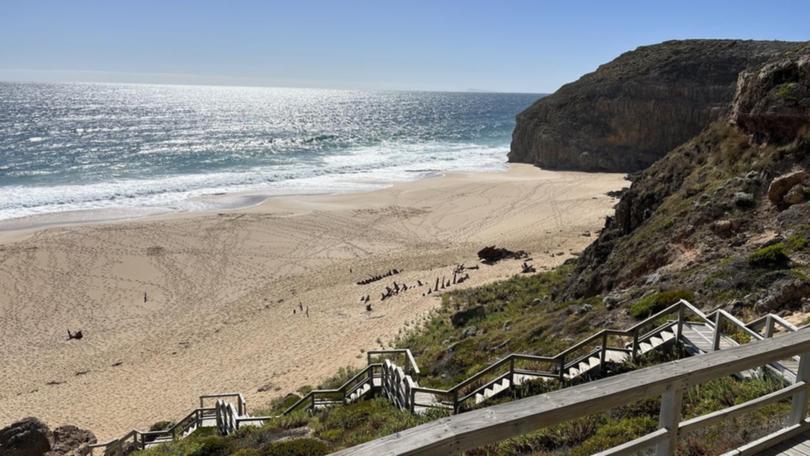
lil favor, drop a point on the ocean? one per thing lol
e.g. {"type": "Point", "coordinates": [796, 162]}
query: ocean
{"type": "Point", "coordinates": [76, 146]}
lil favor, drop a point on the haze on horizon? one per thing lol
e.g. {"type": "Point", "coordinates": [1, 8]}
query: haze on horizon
{"type": "Point", "coordinates": [519, 46]}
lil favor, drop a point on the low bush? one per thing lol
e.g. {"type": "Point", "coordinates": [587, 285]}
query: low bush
{"type": "Point", "coordinates": [772, 256]}
{"type": "Point", "coordinates": [656, 302]}
{"type": "Point", "coordinates": [211, 446]}
{"type": "Point", "coordinates": [297, 447]}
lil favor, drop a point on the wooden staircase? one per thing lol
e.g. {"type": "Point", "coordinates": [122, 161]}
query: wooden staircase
{"type": "Point", "coordinates": [394, 374]}
{"type": "Point", "coordinates": [669, 381]}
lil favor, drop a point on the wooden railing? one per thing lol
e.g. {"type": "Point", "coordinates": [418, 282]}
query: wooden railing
{"type": "Point", "coordinates": [457, 396]}
{"type": "Point", "coordinates": [401, 385]}
{"type": "Point", "coordinates": [395, 373]}
{"type": "Point", "coordinates": [477, 428]}
{"type": "Point", "coordinates": [340, 395]}
{"type": "Point", "coordinates": [195, 419]}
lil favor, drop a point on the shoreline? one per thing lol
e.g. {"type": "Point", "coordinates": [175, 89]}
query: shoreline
{"type": "Point", "coordinates": [222, 286]}
{"type": "Point", "coordinates": [18, 227]}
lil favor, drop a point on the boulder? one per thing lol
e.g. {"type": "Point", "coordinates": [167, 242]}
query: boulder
{"type": "Point", "coordinates": [492, 254]}
{"type": "Point", "coordinates": [71, 441]}
{"type": "Point", "coordinates": [783, 184]}
{"type": "Point", "coordinates": [784, 294]}
{"type": "Point", "coordinates": [795, 195]}
{"type": "Point", "coordinates": [27, 437]}
{"type": "Point", "coordinates": [796, 214]}
{"type": "Point", "coordinates": [743, 199]}
{"type": "Point", "coordinates": [723, 227]}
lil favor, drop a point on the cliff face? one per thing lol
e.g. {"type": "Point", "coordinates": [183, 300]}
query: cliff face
{"type": "Point", "coordinates": [633, 110]}
{"type": "Point", "coordinates": [725, 215]}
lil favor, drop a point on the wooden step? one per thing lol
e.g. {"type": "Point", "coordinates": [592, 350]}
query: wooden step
{"type": "Point", "coordinates": [644, 347]}
{"type": "Point", "coordinates": [615, 356]}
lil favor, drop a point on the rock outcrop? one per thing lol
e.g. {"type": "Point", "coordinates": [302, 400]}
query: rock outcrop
{"type": "Point", "coordinates": [27, 437]}
{"type": "Point", "coordinates": [31, 437]}
{"type": "Point", "coordinates": [699, 218]}
{"type": "Point", "coordinates": [773, 102]}
{"type": "Point", "coordinates": [70, 440]}
{"type": "Point", "coordinates": [633, 110]}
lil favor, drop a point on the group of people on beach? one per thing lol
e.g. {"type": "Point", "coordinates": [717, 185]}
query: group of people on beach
{"type": "Point", "coordinates": [459, 276]}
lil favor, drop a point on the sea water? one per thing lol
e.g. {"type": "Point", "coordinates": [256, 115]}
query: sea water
{"type": "Point", "coordinates": [75, 146]}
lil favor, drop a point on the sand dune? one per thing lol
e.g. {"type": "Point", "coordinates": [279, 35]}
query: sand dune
{"type": "Point", "coordinates": [221, 289]}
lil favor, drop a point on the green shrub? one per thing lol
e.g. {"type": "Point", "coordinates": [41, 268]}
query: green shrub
{"type": "Point", "coordinates": [655, 302]}
{"type": "Point", "coordinates": [161, 425]}
{"type": "Point", "coordinates": [297, 447]}
{"type": "Point", "coordinates": [772, 256]}
{"type": "Point", "coordinates": [247, 452]}
{"type": "Point", "coordinates": [615, 433]}
{"type": "Point", "coordinates": [787, 91]}
{"type": "Point", "coordinates": [797, 243]}
{"type": "Point", "coordinates": [211, 446]}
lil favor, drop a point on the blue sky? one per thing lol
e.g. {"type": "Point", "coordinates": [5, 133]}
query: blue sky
{"type": "Point", "coordinates": [499, 45]}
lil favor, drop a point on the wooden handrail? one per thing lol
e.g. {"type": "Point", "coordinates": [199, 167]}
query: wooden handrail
{"type": "Point", "coordinates": [401, 387]}
{"type": "Point", "coordinates": [342, 389]}
{"type": "Point", "coordinates": [398, 351]}
{"type": "Point", "coordinates": [484, 426]}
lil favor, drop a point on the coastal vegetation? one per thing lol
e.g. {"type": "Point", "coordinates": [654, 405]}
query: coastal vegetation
{"type": "Point", "coordinates": [522, 312]}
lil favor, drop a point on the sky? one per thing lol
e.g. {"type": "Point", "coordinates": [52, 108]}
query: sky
{"type": "Point", "coordinates": [498, 45]}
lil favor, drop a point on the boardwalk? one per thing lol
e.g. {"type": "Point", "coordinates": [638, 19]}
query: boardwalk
{"type": "Point", "coordinates": [394, 374]}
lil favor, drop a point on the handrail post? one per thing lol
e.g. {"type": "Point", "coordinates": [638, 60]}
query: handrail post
{"type": "Point", "coordinates": [413, 399]}
{"type": "Point", "coordinates": [635, 344]}
{"type": "Point", "coordinates": [562, 369]}
{"type": "Point", "coordinates": [798, 408]}
{"type": "Point", "coordinates": [512, 372]}
{"type": "Point", "coordinates": [769, 321]}
{"type": "Point", "coordinates": [603, 353]}
{"type": "Point", "coordinates": [716, 339]}
{"type": "Point", "coordinates": [669, 419]}
{"type": "Point", "coordinates": [455, 402]}
{"type": "Point", "coordinates": [679, 328]}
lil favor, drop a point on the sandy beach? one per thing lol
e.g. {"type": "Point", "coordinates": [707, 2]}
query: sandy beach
{"type": "Point", "coordinates": [221, 288]}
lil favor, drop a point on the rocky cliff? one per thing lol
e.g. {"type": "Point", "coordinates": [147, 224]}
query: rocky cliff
{"type": "Point", "coordinates": [725, 215]}
{"type": "Point", "coordinates": [633, 110]}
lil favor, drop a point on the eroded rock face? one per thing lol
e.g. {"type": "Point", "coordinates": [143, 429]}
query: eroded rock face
{"type": "Point", "coordinates": [633, 110]}
{"type": "Point", "coordinates": [773, 102]}
{"type": "Point", "coordinates": [27, 437]}
{"type": "Point", "coordinates": [697, 213]}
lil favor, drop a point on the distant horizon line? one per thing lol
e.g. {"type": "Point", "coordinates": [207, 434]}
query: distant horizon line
{"type": "Point", "coordinates": [4, 78]}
